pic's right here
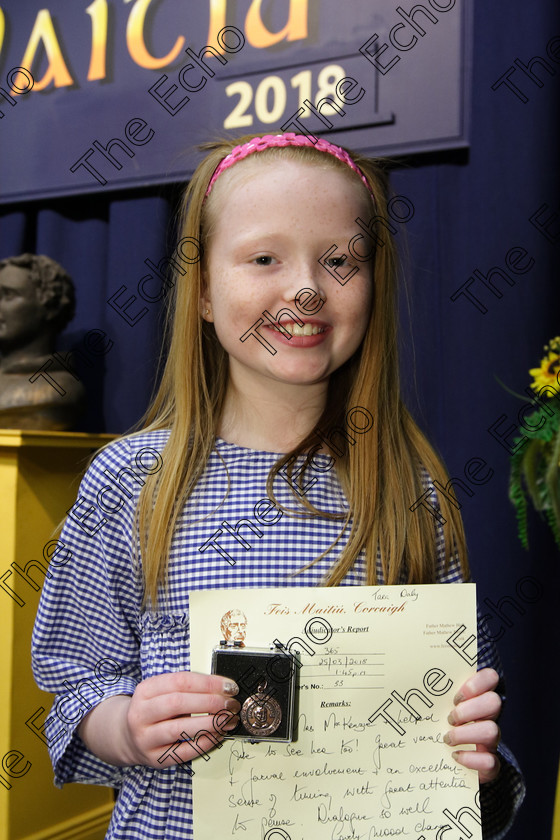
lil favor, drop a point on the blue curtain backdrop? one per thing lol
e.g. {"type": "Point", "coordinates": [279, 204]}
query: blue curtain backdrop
{"type": "Point", "coordinates": [471, 208]}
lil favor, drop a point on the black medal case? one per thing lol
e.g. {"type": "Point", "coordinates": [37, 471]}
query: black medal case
{"type": "Point", "coordinates": [267, 687]}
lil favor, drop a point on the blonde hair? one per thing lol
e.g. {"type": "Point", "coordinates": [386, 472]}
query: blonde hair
{"type": "Point", "coordinates": [381, 476]}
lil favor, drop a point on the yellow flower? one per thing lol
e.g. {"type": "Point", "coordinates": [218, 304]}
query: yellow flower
{"type": "Point", "coordinates": [553, 345]}
{"type": "Point", "coordinates": [546, 373]}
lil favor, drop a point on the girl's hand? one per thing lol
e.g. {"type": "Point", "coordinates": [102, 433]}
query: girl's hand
{"type": "Point", "coordinates": [160, 712]}
{"type": "Point", "coordinates": [473, 722]}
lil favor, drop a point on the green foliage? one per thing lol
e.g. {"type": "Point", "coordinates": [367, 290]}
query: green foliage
{"type": "Point", "coordinates": [534, 472]}
{"type": "Point", "coordinates": [554, 527]}
{"type": "Point", "coordinates": [517, 497]}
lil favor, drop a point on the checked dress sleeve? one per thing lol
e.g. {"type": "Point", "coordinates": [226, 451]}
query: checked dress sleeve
{"type": "Point", "coordinates": [85, 644]}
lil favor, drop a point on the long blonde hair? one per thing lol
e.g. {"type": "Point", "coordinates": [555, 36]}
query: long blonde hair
{"type": "Point", "coordinates": [381, 476]}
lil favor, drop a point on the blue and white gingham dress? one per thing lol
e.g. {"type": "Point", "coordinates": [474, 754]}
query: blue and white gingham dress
{"type": "Point", "coordinates": [90, 611]}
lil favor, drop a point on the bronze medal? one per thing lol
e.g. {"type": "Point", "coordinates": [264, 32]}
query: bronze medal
{"type": "Point", "coordinates": [260, 714]}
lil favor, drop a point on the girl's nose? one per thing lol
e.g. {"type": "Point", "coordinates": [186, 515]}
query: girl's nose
{"type": "Point", "coordinates": [309, 301]}
{"type": "Point", "coordinates": [305, 289]}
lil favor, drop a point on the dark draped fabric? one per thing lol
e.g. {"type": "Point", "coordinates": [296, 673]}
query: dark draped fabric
{"type": "Point", "coordinates": [471, 208]}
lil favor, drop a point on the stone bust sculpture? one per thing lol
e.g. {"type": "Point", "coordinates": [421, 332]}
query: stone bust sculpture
{"type": "Point", "coordinates": [37, 301]}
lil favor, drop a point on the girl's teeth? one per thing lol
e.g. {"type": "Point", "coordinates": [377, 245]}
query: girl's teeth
{"type": "Point", "coordinates": [295, 329]}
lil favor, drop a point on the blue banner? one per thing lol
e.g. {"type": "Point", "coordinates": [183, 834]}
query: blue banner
{"type": "Point", "coordinates": [114, 94]}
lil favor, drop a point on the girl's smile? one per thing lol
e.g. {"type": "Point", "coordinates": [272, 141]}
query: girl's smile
{"type": "Point", "coordinates": [312, 333]}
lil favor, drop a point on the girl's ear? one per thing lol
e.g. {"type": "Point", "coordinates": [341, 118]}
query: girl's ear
{"type": "Point", "coordinates": [204, 278]}
{"type": "Point", "coordinates": [205, 302]}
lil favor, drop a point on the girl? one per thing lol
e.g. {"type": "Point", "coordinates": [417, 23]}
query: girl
{"type": "Point", "coordinates": [271, 349]}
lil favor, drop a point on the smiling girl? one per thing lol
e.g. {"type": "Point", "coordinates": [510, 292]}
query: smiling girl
{"type": "Point", "coordinates": [271, 360]}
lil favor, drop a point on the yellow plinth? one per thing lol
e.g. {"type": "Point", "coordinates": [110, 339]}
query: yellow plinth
{"type": "Point", "coordinates": [556, 822]}
{"type": "Point", "coordinates": [39, 478]}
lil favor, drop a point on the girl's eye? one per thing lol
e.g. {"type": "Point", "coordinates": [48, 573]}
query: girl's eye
{"type": "Point", "coordinates": [264, 260]}
{"type": "Point", "coordinates": [336, 262]}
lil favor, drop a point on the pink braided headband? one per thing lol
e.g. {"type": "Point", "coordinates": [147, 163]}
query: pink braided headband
{"type": "Point", "coordinates": [257, 144]}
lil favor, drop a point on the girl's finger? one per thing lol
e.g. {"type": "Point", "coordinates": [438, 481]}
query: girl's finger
{"type": "Point", "coordinates": [484, 680]}
{"type": "Point", "coordinates": [187, 681]}
{"type": "Point", "coordinates": [166, 707]}
{"type": "Point", "coordinates": [484, 732]}
{"type": "Point", "coordinates": [162, 735]}
{"type": "Point", "coordinates": [486, 763]}
{"type": "Point", "coordinates": [485, 706]}
{"type": "Point", "coordinates": [180, 704]}
{"type": "Point", "coordinates": [195, 738]}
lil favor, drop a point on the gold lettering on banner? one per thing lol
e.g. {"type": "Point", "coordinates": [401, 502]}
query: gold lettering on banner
{"type": "Point", "coordinates": [98, 14]}
{"type": "Point", "coordinates": [256, 32]}
{"type": "Point", "coordinates": [217, 22]}
{"type": "Point", "coordinates": [136, 43]}
{"type": "Point", "coordinates": [2, 29]}
{"type": "Point", "coordinates": [295, 30]}
{"type": "Point", "coordinates": [44, 38]}
{"type": "Point", "coordinates": [57, 71]}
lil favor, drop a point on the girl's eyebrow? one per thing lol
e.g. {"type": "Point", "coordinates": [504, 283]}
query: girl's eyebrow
{"type": "Point", "coordinates": [261, 240]}
{"type": "Point", "coordinates": [246, 240]}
